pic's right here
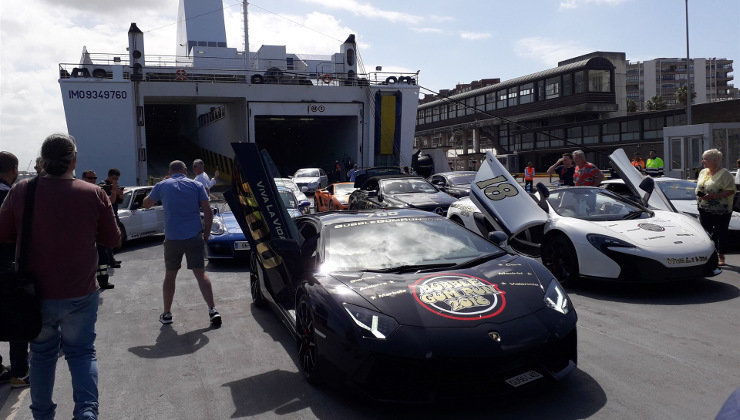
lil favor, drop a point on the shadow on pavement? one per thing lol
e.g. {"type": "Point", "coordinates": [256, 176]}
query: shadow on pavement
{"type": "Point", "coordinates": [171, 344]}
{"type": "Point", "coordinates": [578, 396]}
{"type": "Point", "coordinates": [698, 291]}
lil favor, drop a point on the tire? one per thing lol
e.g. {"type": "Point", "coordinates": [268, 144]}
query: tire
{"type": "Point", "coordinates": [559, 256]}
{"type": "Point", "coordinates": [310, 360]}
{"type": "Point", "coordinates": [254, 285]}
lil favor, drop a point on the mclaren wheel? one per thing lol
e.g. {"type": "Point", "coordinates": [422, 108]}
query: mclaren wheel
{"type": "Point", "coordinates": [559, 256]}
{"type": "Point", "coordinates": [309, 358]}
{"type": "Point", "coordinates": [254, 283]}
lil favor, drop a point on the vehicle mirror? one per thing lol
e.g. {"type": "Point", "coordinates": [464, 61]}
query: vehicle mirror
{"type": "Point", "coordinates": [497, 237]}
{"type": "Point", "coordinates": [542, 189]}
{"type": "Point", "coordinates": [304, 189]}
{"type": "Point", "coordinates": [647, 184]}
{"type": "Point", "coordinates": [304, 204]}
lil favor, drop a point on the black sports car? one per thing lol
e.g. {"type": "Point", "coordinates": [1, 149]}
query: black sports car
{"type": "Point", "coordinates": [456, 184]}
{"type": "Point", "coordinates": [404, 304]}
{"type": "Point", "coordinates": [399, 191]}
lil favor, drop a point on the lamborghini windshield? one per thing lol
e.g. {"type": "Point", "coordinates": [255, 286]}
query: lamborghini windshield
{"type": "Point", "coordinates": [594, 204]}
{"type": "Point", "coordinates": [387, 243]}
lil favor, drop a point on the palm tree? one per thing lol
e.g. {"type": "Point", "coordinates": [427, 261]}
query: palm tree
{"type": "Point", "coordinates": [631, 106]}
{"type": "Point", "coordinates": [656, 103]}
{"type": "Point", "coordinates": [681, 95]}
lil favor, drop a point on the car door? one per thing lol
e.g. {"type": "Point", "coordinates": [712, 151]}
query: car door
{"type": "Point", "coordinates": [264, 219]}
{"type": "Point", "coordinates": [503, 201]}
{"type": "Point", "coordinates": [632, 178]}
{"type": "Point", "coordinates": [147, 218]}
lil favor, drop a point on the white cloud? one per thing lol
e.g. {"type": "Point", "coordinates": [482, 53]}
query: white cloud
{"type": "Point", "coordinates": [548, 51]}
{"type": "Point", "coordinates": [368, 10]}
{"type": "Point", "coordinates": [474, 36]}
{"type": "Point", "coordinates": [572, 4]}
{"type": "Point", "coordinates": [428, 30]}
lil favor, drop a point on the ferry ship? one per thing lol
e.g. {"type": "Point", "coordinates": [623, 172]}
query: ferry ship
{"type": "Point", "coordinates": [138, 112]}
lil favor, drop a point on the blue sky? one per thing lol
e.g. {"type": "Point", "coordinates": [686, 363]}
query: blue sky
{"type": "Point", "coordinates": [449, 42]}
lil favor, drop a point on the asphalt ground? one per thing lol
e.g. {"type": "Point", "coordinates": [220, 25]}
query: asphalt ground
{"type": "Point", "coordinates": [663, 352]}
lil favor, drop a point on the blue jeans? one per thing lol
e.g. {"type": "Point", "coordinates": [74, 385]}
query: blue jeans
{"type": "Point", "coordinates": [73, 322]}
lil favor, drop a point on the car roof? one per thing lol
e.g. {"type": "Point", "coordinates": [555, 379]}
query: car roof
{"type": "Point", "coordinates": [348, 216]}
{"type": "Point", "coordinates": [382, 177]}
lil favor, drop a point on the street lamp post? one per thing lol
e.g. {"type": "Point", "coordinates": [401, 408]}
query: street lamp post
{"type": "Point", "coordinates": [688, 70]}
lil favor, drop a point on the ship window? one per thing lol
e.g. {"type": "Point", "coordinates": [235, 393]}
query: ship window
{"type": "Point", "coordinates": [552, 88]}
{"type": "Point", "coordinates": [289, 63]}
{"type": "Point", "coordinates": [490, 101]}
{"type": "Point", "coordinates": [540, 93]}
{"type": "Point", "coordinates": [598, 81]}
{"type": "Point", "coordinates": [512, 96]}
{"type": "Point", "coordinates": [212, 44]}
{"type": "Point", "coordinates": [470, 108]}
{"type": "Point", "coordinates": [526, 93]}
{"type": "Point", "coordinates": [222, 44]}
{"type": "Point", "coordinates": [567, 84]}
{"type": "Point", "coordinates": [501, 99]}
{"type": "Point", "coordinates": [202, 44]}
{"type": "Point", "coordinates": [579, 82]}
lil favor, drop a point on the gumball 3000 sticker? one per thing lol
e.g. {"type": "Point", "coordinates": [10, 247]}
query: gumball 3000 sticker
{"type": "Point", "coordinates": [459, 296]}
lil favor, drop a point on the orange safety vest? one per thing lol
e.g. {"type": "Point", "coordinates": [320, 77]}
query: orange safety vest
{"type": "Point", "coordinates": [639, 164]}
{"type": "Point", "coordinates": [529, 173]}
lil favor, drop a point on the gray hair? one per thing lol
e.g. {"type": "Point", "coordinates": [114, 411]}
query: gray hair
{"type": "Point", "coordinates": [579, 153]}
{"type": "Point", "coordinates": [58, 152]}
{"type": "Point", "coordinates": [177, 166]}
{"type": "Point", "coordinates": [198, 162]}
{"type": "Point", "coordinates": [713, 154]}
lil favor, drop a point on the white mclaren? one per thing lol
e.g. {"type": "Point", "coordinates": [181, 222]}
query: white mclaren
{"type": "Point", "coordinates": [589, 232]}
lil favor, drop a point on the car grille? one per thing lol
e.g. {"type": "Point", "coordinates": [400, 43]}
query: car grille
{"type": "Point", "coordinates": [640, 269]}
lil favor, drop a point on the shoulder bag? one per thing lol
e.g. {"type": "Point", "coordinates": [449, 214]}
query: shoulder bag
{"type": "Point", "coordinates": [20, 308]}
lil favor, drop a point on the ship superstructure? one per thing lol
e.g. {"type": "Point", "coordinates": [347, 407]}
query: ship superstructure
{"type": "Point", "coordinates": [137, 112]}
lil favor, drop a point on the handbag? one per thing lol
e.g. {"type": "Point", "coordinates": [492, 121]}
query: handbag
{"type": "Point", "coordinates": [20, 308]}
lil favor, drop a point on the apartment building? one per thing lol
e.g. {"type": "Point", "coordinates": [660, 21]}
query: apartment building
{"type": "Point", "coordinates": [710, 80]}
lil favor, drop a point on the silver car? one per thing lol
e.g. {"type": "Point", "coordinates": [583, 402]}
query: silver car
{"type": "Point", "coordinates": [136, 221]}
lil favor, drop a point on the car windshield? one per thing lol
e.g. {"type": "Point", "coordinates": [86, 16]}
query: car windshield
{"type": "Point", "coordinates": [344, 188]}
{"type": "Point", "coordinates": [679, 189]}
{"type": "Point", "coordinates": [462, 180]}
{"type": "Point", "coordinates": [307, 173]}
{"type": "Point", "coordinates": [405, 186]}
{"type": "Point", "coordinates": [288, 199]}
{"type": "Point", "coordinates": [126, 200]}
{"type": "Point", "coordinates": [593, 204]}
{"type": "Point", "coordinates": [382, 243]}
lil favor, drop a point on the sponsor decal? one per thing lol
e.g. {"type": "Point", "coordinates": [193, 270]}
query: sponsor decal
{"type": "Point", "coordinates": [651, 227]}
{"type": "Point", "coordinates": [459, 296]}
{"type": "Point", "coordinates": [686, 260]}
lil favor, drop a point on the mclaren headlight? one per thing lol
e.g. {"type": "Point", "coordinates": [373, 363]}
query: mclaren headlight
{"type": "Point", "coordinates": [372, 324]}
{"type": "Point", "coordinates": [556, 299]}
{"type": "Point", "coordinates": [218, 227]}
{"type": "Point", "coordinates": [602, 242]}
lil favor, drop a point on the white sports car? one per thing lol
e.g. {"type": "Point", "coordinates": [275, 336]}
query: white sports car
{"type": "Point", "coordinates": [681, 192]}
{"type": "Point", "coordinates": [138, 222]}
{"type": "Point", "coordinates": [588, 232]}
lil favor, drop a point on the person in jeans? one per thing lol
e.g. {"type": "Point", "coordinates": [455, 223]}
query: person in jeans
{"type": "Point", "coordinates": [715, 189]}
{"type": "Point", "coordinates": [184, 234]}
{"type": "Point", "coordinates": [69, 217]}
{"type": "Point", "coordinates": [17, 375]}
{"type": "Point", "coordinates": [105, 255]}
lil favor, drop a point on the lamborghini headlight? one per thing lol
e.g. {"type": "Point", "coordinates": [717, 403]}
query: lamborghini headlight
{"type": "Point", "coordinates": [218, 227]}
{"type": "Point", "coordinates": [556, 299]}
{"type": "Point", "coordinates": [372, 324]}
{"type": "Point", "coordinates": [602, 242]}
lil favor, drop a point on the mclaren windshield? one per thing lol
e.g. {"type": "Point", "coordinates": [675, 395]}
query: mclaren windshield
{"type": "Point", "coordinates": [594, 204]}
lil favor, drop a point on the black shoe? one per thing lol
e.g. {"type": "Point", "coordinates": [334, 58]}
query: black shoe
{"type": "Point", "coordinates": [103, 282]}
{"type": "Point", "coordinates": [215, 317]}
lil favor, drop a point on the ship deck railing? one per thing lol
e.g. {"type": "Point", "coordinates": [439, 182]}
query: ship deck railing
{"type": "Point", "coordinates": [181, 69]}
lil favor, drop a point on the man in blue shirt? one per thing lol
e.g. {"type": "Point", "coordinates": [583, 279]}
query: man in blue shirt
{"type": "Point", "coordinates": [183, 200]}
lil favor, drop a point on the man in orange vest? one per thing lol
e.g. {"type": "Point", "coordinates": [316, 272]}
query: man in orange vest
{"type": "Point", "coordinates": [528, 177]}
{"type": "Point", "coordinates": [638, 163]}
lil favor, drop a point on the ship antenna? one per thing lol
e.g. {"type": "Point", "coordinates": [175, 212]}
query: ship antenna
{"type": "Point", "coordinates": [246, 34]}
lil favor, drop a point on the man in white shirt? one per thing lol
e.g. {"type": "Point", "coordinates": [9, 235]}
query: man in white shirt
{"type": "Point", "coordinates": [202, 177]}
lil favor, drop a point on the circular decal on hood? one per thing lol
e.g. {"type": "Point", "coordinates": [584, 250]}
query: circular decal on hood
{"type": "Point", "coordinates": [651, 227]}
{"type": "Point", "coordinates": [459, 296]}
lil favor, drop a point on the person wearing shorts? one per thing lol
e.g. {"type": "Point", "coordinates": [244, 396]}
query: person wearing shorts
{"type": "Point", "coordinates": [183, 200]}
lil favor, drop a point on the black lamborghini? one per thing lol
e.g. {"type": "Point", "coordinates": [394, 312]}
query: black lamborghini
{"type": "Point", "coordinates": [407, 304]}
{"type": "Point", "coordinates": [404, 304]}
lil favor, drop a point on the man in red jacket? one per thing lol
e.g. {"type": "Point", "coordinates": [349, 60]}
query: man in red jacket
{"type": "Point", "coordinates": [70, 216]}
